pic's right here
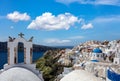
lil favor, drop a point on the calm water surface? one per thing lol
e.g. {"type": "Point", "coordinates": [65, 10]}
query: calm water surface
{"type": "Point", "coordinates": [3, 57]}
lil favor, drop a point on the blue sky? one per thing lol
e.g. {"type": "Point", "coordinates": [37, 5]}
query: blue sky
{"type": "Point", "coordinates": [60, 22]}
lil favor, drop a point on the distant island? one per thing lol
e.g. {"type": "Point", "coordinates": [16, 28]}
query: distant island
{"type": "Point", "coordinates": [36, 48]}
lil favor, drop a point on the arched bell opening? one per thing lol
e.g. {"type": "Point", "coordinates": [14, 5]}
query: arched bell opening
{"type": "Point", "coordinates": [19, 56]}
{"type": "Point", "coordinates": [20, 50]}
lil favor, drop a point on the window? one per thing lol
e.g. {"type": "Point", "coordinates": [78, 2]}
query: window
{"type": "Point", "coordinates": [97, 55]}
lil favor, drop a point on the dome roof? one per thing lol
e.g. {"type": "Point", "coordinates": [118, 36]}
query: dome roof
{"type": "Point", "coordinates": [18, 74]}
{"type": "Point", "coordinates": [94, 60]}
{"type": "Point", "coordinates": [97, 50]}
{"type": "Point", "coordinates": [80, 75]}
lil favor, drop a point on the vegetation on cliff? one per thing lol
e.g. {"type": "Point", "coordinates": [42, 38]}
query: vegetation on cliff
{"type": "Point", "coordinates": [49, 66]}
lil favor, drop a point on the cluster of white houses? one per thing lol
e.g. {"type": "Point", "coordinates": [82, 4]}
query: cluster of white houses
{"type": "Point", "coordinates": [93, 57]}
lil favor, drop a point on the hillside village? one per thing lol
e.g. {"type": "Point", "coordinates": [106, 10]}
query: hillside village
{"type": "Point", "coordinates": [94, 57]}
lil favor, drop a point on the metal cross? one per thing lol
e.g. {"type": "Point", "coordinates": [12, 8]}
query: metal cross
{"type": "Point", "coordinates": [21, 35]}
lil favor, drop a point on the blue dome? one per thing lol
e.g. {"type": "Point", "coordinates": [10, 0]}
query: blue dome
{"type": "Point", "coordinates": [97, 50]}
{"type": "Point", "coordinates": [94, 60]}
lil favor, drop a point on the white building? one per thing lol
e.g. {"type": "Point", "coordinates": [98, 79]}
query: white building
{"type": "Point", "coordinates": [117, 55]}
{"type": "Point", "coordinates": [97, 55]}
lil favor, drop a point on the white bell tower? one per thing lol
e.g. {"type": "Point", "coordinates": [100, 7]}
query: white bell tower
{"type": "Point", "coordinates": [12, 50]}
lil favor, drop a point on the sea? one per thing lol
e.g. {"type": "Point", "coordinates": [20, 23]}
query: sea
{"type": "Point", "coordinates": [36, 56]}
{"type": "Point", "coordinates": [3, 57]}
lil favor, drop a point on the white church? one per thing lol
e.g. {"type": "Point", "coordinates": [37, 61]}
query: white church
{"type": "Point", "coordinates": [14, 71]}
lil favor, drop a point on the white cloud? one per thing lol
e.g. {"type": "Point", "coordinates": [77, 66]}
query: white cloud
{"type": "Point", "coordinates": [48, 21]}
{"type": "Point", "coordinates": [56, 41]}
{"type": "Point", "coordinates": [94, 2]}
{"type": "Point", "coordinates": [11, 27]}
{"type": "Point", "coordinates": [77, 37]}
{"type": "Point", "coordinates": [16, 16]}
{"type": "Point", "coordinates": [87, 26]}
{"type": "Point", "coordinates": [107, 19]}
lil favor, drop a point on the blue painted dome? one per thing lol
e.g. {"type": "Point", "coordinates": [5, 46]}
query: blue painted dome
{"type": "Point", "coordinates": [94, 60]}
{"type": "Point", "coordinates": [97, 50]}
